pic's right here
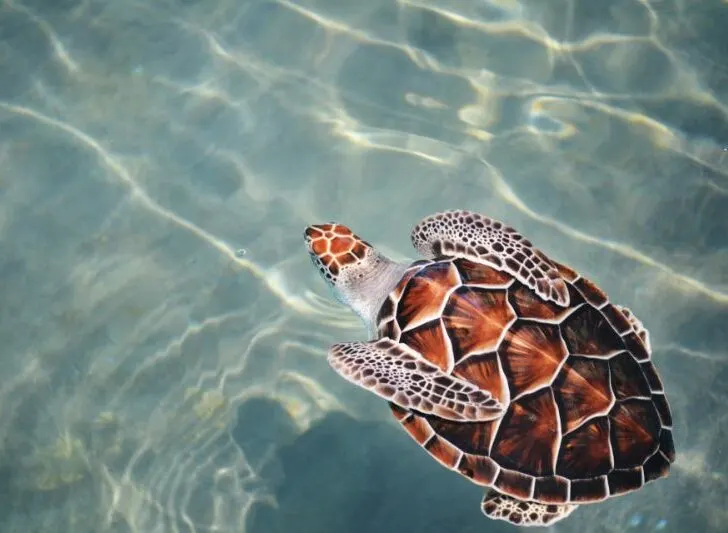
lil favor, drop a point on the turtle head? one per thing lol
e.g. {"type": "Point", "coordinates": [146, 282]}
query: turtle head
{"type": "Point", "coordinates": [360, 276]}
{"type": "Point", "coordinates": [334, 249]}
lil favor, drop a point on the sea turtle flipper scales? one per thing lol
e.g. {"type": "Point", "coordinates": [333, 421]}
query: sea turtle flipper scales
{"type": "Point", "coordinates": [398, 374]}
{"type": "Point", "coordinates": [523, 513]}
{"type": "Point", "coordinates": [637, 326]}
{"type": "Point", "coordinates": [480, 238]}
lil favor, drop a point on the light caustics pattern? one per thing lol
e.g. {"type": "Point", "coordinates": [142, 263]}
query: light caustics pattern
{"type": "Point", "coordinates": [143, 145]}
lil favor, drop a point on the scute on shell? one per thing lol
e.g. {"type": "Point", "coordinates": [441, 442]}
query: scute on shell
{"type": "Point", "coordinates": [578, 381]}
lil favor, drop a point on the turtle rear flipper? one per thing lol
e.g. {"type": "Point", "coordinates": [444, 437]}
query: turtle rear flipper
{"type": "Point", "coordinates": [396, 373]}
{"type": "Point", "coordinates": [637, 325]}
{"type": "Point", "coordinates": [501, 507]}
{"type": "Point", "coordinates": [483, 239]}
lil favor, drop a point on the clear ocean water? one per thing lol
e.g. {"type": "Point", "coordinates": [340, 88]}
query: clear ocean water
{"type": "Point", "coordinates": [162, 331]}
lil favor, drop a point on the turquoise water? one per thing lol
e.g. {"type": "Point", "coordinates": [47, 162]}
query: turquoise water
{"type": "Point", "coordinates": [162, 332]}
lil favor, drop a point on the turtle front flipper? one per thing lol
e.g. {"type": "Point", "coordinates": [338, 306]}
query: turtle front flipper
{"type": "Point", "coordinates": [501, 507]}
{"type": "Point", "coordinates": [479, 238]}
{"type": "Point", "coordinates": [398, 374]}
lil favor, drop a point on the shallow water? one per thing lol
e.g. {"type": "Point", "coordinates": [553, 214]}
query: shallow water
{"type": "Point", "coordinates": [162, 331]}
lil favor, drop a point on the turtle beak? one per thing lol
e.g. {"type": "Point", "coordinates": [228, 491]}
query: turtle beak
{"type": "Point", "coordinates": [312, 231]}
{"type": "Point", "coordinates": [313, 235]}
{"type": "Point", "coordinates": [317, 245]}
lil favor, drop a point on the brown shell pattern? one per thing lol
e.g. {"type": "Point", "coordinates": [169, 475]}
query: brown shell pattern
{"type": "Point", "coordinates": [587, 416]}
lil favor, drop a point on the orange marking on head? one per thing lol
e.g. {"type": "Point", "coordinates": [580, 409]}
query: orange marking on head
{"type": "Point", "coordinates": [340, 245]}
{"type": "Point", "coordinates": [335, 245]}
{"type": "Point", "coordinates": [320, 246]}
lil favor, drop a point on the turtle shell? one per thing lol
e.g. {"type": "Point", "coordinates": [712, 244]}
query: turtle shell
{"type": "Point", "coordinates": [586, 416]}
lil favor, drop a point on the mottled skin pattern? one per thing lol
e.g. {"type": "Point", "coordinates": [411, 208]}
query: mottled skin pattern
{"type": "Point", "coordinates": [503, 364]}
{"type": "Point", "coordinates": [413, 383]}
{"type": "Point", "coordinates": [491, 242]}
{"type": "Point", "coordinates": [335, 246]}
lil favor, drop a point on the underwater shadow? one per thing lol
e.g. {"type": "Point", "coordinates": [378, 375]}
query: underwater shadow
{"type": "Point", "coordinates": [349, 475]}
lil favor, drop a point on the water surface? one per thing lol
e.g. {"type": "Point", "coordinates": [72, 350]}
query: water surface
{"type": "Point", "coordinates": [163, 333]}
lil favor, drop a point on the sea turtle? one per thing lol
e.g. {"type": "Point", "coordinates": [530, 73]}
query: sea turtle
{"type": "Point", "coordinates": [505, 365]}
